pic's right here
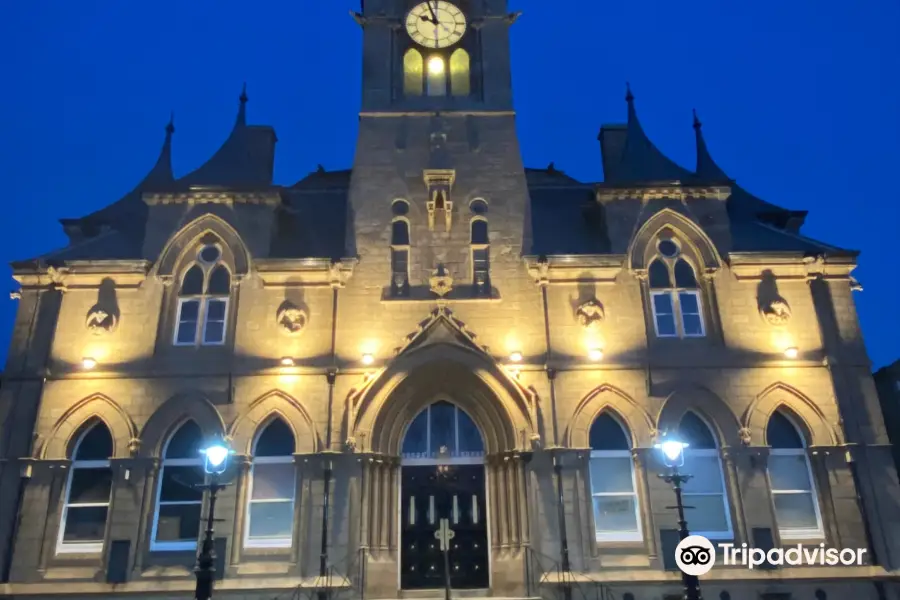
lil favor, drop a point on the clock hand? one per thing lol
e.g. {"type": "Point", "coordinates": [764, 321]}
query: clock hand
{"type": "Point", "coordinates": [434, 18]}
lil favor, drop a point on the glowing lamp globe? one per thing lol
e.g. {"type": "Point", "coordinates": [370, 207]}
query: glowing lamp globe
{"type": "Point", "coordinates": [673, 452]}
{"type": "Point", "coordinates": [216, 458]}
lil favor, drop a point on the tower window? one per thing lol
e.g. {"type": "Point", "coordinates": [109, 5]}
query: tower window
{"type": "Point", "coordinates": [400, 257]}
{"type": "Point", "coordinates": [437, 76]}
{"type": "Point", "coordinates": [481, 257]}
{"type": "Point", "coordinates": [203, 301]}
{"type": "Point", "coordinates": [460, 81]}
{"type": "Point", "coordinates": [412, 72]}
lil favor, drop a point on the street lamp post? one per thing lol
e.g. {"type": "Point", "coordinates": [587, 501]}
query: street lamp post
{"type": "Point", "coordinates": [216, 461]}
{"type": "Point", "coordinates": [673, 457]}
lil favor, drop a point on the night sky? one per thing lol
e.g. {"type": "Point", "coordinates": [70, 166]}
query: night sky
{"type": "Point", "coordinates": [800, 103]}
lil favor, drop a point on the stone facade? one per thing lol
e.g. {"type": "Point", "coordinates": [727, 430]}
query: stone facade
{"type": "Point", "coordinates": [311, 281]}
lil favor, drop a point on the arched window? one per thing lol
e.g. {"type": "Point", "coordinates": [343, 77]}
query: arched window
{"type": "Point", "coordinates": [445, 430]}
{"type": "Point", "coordinates": [272, 487]}
{"type": "Point", "coordinates": [400, 257]}
{"type": "Point", "coordinates": [790, 476]}
{"type": "Point", "coordinates": [413, 71]}
{"type": "Point", "coordinates": [203, 300]}
{"type": "Point", "coordinates": [706, 489]}
{"type": "Point", "coordinates": [460, 81]}
{"type": "Point", "coordinates": [674, 294]}
{"type": "Point", "coordinates": [176, 521]}
{"type": "Point", "coordinates": [436, 79]}
{"type": "Point", "coordinates": [481, 257]}
{"type": "Point", "coordinates": [83, 526]}
{"type": "Point", "coordinates": [616, 511]}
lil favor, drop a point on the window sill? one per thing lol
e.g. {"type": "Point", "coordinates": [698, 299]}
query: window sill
{"type": "Point", "coordinates": [801, 536]}
{"type": "Point", "coordinates": [173, 547]}
{"type": "Point", "coordinates": [273, 544]}
{"type": "Point", "coordinates": [69, 550]}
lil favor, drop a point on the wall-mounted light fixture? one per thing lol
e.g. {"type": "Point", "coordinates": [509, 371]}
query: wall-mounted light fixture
{"type": "Point", "coordinates": [595, 354]}
{"type": "Point", "coordinates": [367, 359]}
{"type": "Point", "coordinates": [515, 356]}
{"type": "Point", "coordinates": [88, 363]}
{"type": "Point", "coordinates": [791, 352]}
{"type": "Point", "coordinates": [287, 361]}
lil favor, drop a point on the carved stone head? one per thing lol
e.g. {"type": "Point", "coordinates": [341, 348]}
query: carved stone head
{"type": "Point", "coordinates": [291, 319]}
{"type": "Point", "coordinates": [590, 314]}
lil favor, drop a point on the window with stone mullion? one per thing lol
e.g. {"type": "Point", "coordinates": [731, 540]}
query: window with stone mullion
{"type": "Point", "coordinates": [203, 301]}
{"type": "Point", "coordinates": [675, 299]}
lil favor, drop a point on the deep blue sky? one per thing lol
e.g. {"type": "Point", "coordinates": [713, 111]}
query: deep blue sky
{"type": "Point", "coordinates": [800, 102]}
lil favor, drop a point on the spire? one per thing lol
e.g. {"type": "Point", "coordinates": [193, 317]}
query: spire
{"type": "Point", "coordinates": [170, 128]}
{"type": "Point", "coordinates": [242, 111]}
{"type": "Point", "coordinates": [706, 166]}
{"type": "Point", "coordinates": [162, 170]}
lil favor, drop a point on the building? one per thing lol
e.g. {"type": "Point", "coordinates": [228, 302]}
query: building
{"type": "Point", "coordinates": [887, 382]}
{"type": "Point", "coordinates": [438, 333]}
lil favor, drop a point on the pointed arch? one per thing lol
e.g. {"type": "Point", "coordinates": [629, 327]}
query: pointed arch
{"type": "Point", "coordinates": [808, 415]}
{"type": "Point", "coordinates": [460, 79]}
{"type": "Point", "coordinates": [723, 423]}
{"type": "Point", "coordinates": [172, 413]}
{"type": "Point", "coordinates": [607, 398]}
{"type": "Point", "coordinates": [502, 409]}
{"type": "Point", "coordinates": [235, 251]}
{"type": "Point", "coordinates": [275, 404]}
{"type": "Point", "coordinates": [696, 244]}
{"type": "Point", "coordinates": [96, 406]}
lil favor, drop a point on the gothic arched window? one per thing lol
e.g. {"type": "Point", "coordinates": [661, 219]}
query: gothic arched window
{"type": "Point", "coordinates": [481, 256]}
{"type": "Point", "coordinates": [176, 520]}
{"type": "Point", "coordinates": [613, 486]}
{"type": "Point", "coordinates": [790, 476]}
{"type": "Point", "coordinates": [674, 294]}
{"type": "Point", "coordinates": [442, 426]}
{"type": "Point", "coordinates": [436, 77]}
{"type": "Point", "coordinates": [706, 489]}
{"type": "Point", "coordinates": [85, 511]}
{"type": "Point", "coordinates": [272, 487]}
{"type": "Point", "coordinates": [413, 71]}
{"type": "Point", "coordinates": [400, 257]}
{"type": "Point", "coordinates": [203, 300]}
{"type": "Point", "coordinates": [460, 79]}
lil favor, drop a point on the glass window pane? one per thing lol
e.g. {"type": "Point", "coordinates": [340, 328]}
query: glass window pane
{"type": "Point", "coordinates": [415, 441]}
{"type": "Point", "coordinates": [607, 434]}
{"type": "Point", "coordinates": [192, 284]}
{"type": "Point", "coordinates": [479, 232]}
{"type": "Point", "coordinates": [209, 254]}
{"type": "Point", "coordinates": [436, 78]}
{"type": "Point", "coordinates": [400, 233]}
{"type": "Point", "coordinates": [690, 303]}
{"type": "Point", "coordinates": [692, 324]}
{"type": "Point", "coordinates": [178, 484]}
{"type": "Point", "coordinates": [85, 524]}
{"type": "Point", "coordinates": [470, 442]}
{"type": "Point", "coordinates": [795, 511]}
{"type": "Point", "coordinates": [781, 433]}
{"type": "Point", "coordinates": [271, 520]}
{"type": "Point", "coordinates": [611, 474]}
{"type": "Point", "coordinates": [400, 261]}
{"type": "Point", "coordinates": [90, 485]}
{"type": "Point", "coordinates": [665, 325]}
{"type": "Point", "coordinates": [413, 69]}
{"type": "Point", "coordinates": [481, 260]}
{"type": "Point", "coordinates": [273, 481]}
{"type": "Point", "coordinates": [668, 248]}
{"type": "Point", "coordinates": [615, 514]}
{"type": "Point", "coordinates": [694, 431]}
{"type": "Point", "coordinates": [460, 83]}
{"type": "Point", "coordinates": [276, 439]}
{"type": "Point", "coordinates": [659, 275]}
{"type": "Point", "coordinates": [96, 444]}
{"type": "Point", "coordinates": [215, 310]}
{"type": "Point", "coordinates": [178, 522]}
{"type": "Point", "coordinates": [186, 441]}
{"type": "Point", "coordinates": [789, 472]}
{"type": "Point", "coordinates": [684, 274]}
{"type": "Point", "coordinates": [662, 304]}
{"type": "Point", "coordinates": [187, 332]}
{"type": "Point", "coordinates": [214, 333]}
{"type": "Point", "coordinates": [706, 473]}
{"type": "Point", "coordinates": [707, 513]}
{"type": "Point", "coordinates": [219, 282]}
{"type": "Point", "coordinates": [443, 427]}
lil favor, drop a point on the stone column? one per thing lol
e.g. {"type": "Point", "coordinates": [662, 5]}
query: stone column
{"type": "Point", "coordinates": [242, 466]}
{"type": "Point", "coordinates": [144, 476]}
{"type": "Point", "coordinates": [735, 462]}
{"type": "Point", "coordinates": [819, 459]}
{"type": "Point", "coordinates": [642, 462]}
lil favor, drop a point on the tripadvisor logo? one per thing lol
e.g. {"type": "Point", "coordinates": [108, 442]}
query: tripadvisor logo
{"type": "Point", "coordinates": [695, 555]}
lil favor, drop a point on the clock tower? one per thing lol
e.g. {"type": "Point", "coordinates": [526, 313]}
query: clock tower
{"type": "Point", "coordinates": [438, 176]}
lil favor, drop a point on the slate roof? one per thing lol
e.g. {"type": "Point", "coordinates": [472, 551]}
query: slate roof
{"type": "Point", "coordinates": [314, 216]}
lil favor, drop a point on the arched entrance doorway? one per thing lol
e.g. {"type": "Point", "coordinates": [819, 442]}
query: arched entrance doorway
{"type": "Point", "coordinates": [443, 495]}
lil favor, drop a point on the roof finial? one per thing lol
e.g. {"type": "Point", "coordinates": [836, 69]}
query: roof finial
{"type": "Point", "coordinates": [170, 128]}
{"type": "Point", "coordinates": [244, 94]}
{"type": "Point", "coordinates": [242, 111]}
{"type": "Point", "coordinates": [629, 97]}
{"type": "Point", "coordinates": [697, 123]}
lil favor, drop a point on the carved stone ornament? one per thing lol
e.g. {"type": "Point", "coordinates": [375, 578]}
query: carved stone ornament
{"type": "Point", "coordinates": [746, 435]}
{"type": "Point", "coordinates": [441, 281]}
{"type": "Point", "coordinates": [100, 322]}
{"type": "Point", "coordinates": [590, 314]}
{"type": "Point", "coordinates": [291, 319]}
{"type": "Point", "coordinates": [777, 312]}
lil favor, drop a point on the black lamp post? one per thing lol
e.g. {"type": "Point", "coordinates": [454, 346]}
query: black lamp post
{"type": "Point", "coordinates": [673, 457]}
{"type": "Point", "coordinates": [216, 461]}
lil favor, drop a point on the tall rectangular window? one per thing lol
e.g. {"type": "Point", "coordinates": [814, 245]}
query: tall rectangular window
{"type": "Point", "coordinates": [271, 505]}
{"type": "Point", "coordinates": [188, 319]}
{"type": "Point", "coordinates": [616, 514]}
{"type": "Point", "coordinates": [214, 321]}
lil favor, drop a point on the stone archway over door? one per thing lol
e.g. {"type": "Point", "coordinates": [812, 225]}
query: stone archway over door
{"type": "Point", "coordinates": [443, 495]}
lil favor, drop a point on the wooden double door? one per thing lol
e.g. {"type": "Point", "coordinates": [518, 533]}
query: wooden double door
{"type": "Point", "coordinates": [429, 495]}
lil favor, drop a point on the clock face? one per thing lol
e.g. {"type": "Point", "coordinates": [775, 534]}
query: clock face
{"type": "Point", "coordinates": [436, 24]}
